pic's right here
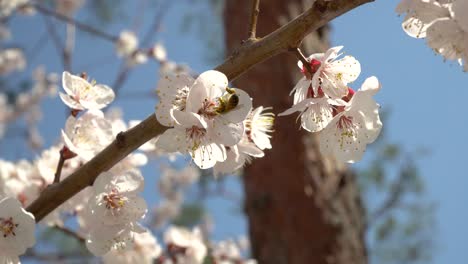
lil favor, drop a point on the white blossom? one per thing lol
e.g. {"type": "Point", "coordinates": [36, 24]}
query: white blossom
{"type": "Point", "coordinates": [348, 134]}
{"type": "Point", "coordinates": [126, 44]}
{"type": "Point", "coordinates": [88, 134]}
{"type": "Point", "coordinates": [117, 199]}
{"type": "Point", "coordinates": [11, 59]}
{"type": "Point", "coordinates": [191, 135]}
{"type": "Point", "coordinates": [194, 251]}
{"type": "Point", "coordinates": [80, 94]}
{"type": "Point", "coordinates": [334, 75]}
{"type": "Point", "coordinates": [17, 229]}
{"type": "Point", "coordinates": [159, 52]}
{"type": "Point", "coordinates": [224, 109]}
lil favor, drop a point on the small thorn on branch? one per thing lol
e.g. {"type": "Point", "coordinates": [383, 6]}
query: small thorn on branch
{"type": "Point", "coordinates": [254, 19]}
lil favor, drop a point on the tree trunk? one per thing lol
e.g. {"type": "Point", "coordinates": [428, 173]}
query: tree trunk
{"type": "Point", "coordinates": [301, 207]}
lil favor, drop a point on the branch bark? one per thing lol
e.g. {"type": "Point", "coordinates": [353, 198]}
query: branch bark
{"type": "Point", "coordinates": [281, 40]}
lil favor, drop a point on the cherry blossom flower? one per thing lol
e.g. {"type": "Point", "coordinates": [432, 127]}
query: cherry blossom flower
{"type": "Point", "coordinates": [190, 135]}
{"type": "Point", "coordinates": [126, 44]}
{"type": "Point", "coordinates": [420, 15]}
{"type": "Point", "coordinates": [442, 23]}
{"type": "Point", "coordinates": [11, 59]}
{"type": "Point", "coordinates": [348, 134]}
{"type": "Point", "coordinates": [84, 95]}
{"type": "Point", "coordinates": [159, 52]}
{"type": "Point", "coordinates": [187, 246]}
{"type": "Point", "coordinates": [334, 75]}
{"type": "Point", "coordinates": [116, 199]}
{"type": "Point", "coordinates": [17, 229]}
{"type": "Point", "coordinates": [224, 109]}
{"type": "Point", "coordinates": [88, 134]}
{"type": "Point", "coordinates": [145, 250]}
{"type": "Point", "coordinates": [172, 91]}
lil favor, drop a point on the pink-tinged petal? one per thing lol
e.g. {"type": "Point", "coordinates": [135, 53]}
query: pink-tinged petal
{"type": "Point", "coordinates": [240, 112]}
{"type": "Point", "coordinates": [73, 84]}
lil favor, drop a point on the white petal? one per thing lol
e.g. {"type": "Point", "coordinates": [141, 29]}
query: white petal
{"type": "Point", "coordinates": [188, 119]}
{"type": "Point", "coordinates": [225, 133]}
{"type": "Point", "coordinates": [70, 102]}
{"type": "Point", "coordinates": [301, 89]}
{"type": "Point", "coordinates": [206, 156]}
{"type": "Point", "coordinates": [173, 140]}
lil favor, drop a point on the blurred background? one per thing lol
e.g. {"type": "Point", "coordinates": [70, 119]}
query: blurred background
{"type": "Point", "coordinates": [412, 180]}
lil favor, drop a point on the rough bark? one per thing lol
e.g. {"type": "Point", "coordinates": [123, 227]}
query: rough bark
{"type": "Point", "coordinates": [301, 207]}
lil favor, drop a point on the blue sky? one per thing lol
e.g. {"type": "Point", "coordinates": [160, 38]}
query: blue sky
{"type": "Point", "coordinates": [425, 95]}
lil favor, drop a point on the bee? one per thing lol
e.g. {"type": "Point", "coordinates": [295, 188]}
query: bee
{"type": "Point", "coordinates": [228, 101]}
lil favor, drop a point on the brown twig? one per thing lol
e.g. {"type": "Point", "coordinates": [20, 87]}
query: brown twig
{"type": "Point", "coordinates": [65, 154]}
{"type": "Point", "coordinates": [303, 59]}
{"type": "Point", "coordinates": [58, 171]}
{"type": "Point", "coordinates": [254, 19]}
{"type": "Point", "coordinates": [281, 40]}
{"type": "Point", "coordinates": [78, 24]}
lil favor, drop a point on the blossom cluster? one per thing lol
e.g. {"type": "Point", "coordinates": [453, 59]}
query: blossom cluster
{"type": "Point", "coordinates": [346, 120]}
{"type": "Point", "coordinates": [443, 23]}
{"type": "Point", "coordinates": [210, 121]}
{"type": "Point", "coordinates": [127, 47]}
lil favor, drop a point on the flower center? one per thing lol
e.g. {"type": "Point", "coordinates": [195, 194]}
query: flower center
{"type": "Point", "coordinates": [195, 134]}
{"type": "Point", "coordinates": [114, 200]}
{"type": "Point", "coordinates": [347, 129]}
{"type": "Point", "coordinates": [208, 109]}
{"type": "Point", "coordinates": [7, 226]}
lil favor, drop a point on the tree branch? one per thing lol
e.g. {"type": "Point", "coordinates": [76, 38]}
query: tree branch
{"type": "Point", "coordinates": [281, 40]}
{"type": "Point", "coordinates": [70, 20]}
{"type": "Point", "coordinates": [254, 19]}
